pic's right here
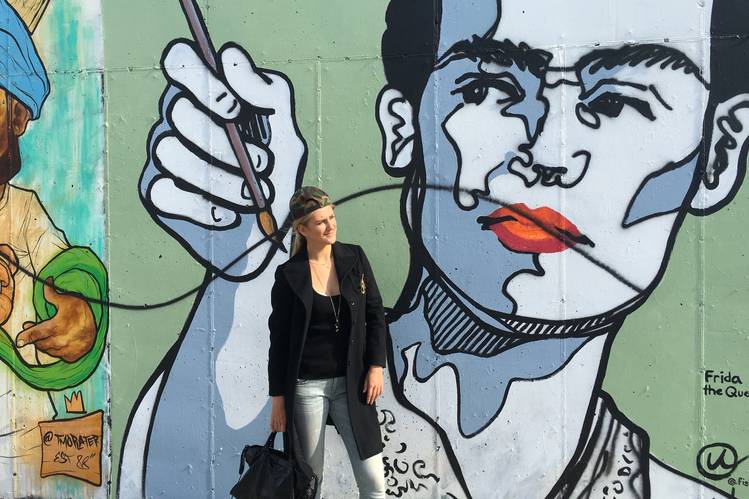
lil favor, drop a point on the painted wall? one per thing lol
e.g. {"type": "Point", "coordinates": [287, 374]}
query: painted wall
{"type": "Point", "coordinates": [54, 393]}
{"type": "Point", "coordinates": [594, 347]}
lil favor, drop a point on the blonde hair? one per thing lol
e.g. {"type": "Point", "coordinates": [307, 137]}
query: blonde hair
{"type": "Point", "coordinates": [298, 241]}
{"type": "Point", "coordinates": [302, 204]}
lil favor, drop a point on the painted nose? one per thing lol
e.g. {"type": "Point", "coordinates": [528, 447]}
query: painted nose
{"type": "Point", "coordinates": [566, 175]}
{"type": "Point", "coordinates": [549, 161]}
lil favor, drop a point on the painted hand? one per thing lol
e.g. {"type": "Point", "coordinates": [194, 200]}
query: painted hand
{"type": "Point", "coordinates": [374, 384]}
{"type": "Point", "coordinates": [193, 184]}
{"type": "Point", "coordinates": [69, 334]}
{"type": "Point", "coordinates": [8, 262]}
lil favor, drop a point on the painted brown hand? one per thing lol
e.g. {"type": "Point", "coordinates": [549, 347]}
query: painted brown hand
{"type": "Point", "coordinates": [69, 334]}
{"type": "Point", "coordinates": [8, 268]}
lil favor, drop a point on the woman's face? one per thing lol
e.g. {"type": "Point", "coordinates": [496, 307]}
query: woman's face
{"type": "Point", "coordinates": [320, 229]}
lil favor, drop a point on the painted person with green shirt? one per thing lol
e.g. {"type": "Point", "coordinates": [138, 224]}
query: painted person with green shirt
{"type": "Point", "coordinates": [52, 321]}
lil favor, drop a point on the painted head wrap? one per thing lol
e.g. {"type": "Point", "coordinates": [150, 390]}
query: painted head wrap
{"type": "Point", "coordinates": [306, 200]}
{"type": "Point", "coordinates": [22, 73]}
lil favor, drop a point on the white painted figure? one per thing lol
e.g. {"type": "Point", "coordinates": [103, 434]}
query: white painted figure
{"type": "Point", "coordinates": [560, 144]}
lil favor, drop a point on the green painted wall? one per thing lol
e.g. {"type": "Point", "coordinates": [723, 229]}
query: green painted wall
{"type": "Point", "coordinates": [330, 49]}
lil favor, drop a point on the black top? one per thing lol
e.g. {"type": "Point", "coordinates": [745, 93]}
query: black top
{"type": "Point", "coordinates": [324, 352]}
{"type": "Point", "coordinates": [291, 298]}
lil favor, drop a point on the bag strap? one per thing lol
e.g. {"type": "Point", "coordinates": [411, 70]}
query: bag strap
{"type": "Point", "coordinates": [291, 444]}
{"type": "Point", "coordinates": [242, 458]}
{"type": "Point", "coordinates": [271, 439]}
{"type": "Point", "coordinates": [288, 449]}
{"type": "Point", "coordinates": [243, 455]}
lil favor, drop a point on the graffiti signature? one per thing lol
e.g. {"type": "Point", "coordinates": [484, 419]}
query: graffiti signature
{"type": "Point", "coordinates": [718, 460]}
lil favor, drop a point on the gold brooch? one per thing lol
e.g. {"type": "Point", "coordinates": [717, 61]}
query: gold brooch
{"type": "Point", "coordinates": [362, 285]}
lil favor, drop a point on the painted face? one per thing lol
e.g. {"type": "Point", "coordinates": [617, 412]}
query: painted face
{"type": "Point", "coordinates": [320, 229]}
{"type": "Point", "coordinates": [7, 168]}
{"type": "Point", "coordinates": [567, 149]}
{"type": "Point", "coordinates": [13, 120]}
{"type": "Point", "coordinates": [8, 261]}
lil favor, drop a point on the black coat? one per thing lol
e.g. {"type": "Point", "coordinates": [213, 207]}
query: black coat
{"type": "Point", "coordinates": [291, 299]}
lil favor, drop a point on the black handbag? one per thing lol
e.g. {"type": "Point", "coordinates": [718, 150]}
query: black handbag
{"type": "Point", "coordinates": [273, 474]}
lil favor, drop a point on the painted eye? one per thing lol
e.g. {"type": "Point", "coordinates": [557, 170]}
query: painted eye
{"type": "Point", "coordinates": [476, 91]}
{"type": "Point", "coordinates": [608, 104]}
{"type": "Point", "coordinates": [611, 104]}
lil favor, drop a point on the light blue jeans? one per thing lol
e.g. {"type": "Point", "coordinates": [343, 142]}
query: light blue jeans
{"type": "Point", "coordinates": [315, 399]}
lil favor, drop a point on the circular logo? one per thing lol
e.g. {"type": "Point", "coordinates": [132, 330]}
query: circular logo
{"type": "Point", "coordinates": [717, 461]}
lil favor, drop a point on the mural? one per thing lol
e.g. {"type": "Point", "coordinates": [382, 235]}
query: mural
{"type": "Point", "coordinates": [53, 312]}
{"type": "Point", "coordinates": [549, 159]}
{"type": "Point", "coordinates": [547, 167]}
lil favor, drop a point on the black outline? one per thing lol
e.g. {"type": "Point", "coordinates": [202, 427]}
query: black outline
{"type": "Point", "coordinates": [719, 476]}
{"type": "Point", "coordinates": [740, 174]}
{"type": "Point", "coordinates": [286, 226]}
{"type": "Point", "coordinates": [668, 168]}
{"type": "Point", "coordinates": [156, 215]}
{"type": "Point", "coordinates": [101, 449]}
{"type": "Point", "coordinates": [413, 191]}
{"type": "Point", "coordinates": [395, 148]}
{"type": "Point", "coordinates": [162, 369]}
{"type": "Point", "coordinates": [705, 484]}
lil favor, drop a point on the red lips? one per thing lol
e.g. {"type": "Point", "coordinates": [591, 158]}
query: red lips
{"type": "Point", "coordinates": [537, 230]}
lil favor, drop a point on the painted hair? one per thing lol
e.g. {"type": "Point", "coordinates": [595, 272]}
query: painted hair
{"type": "Point", "coordinates": [411, 39]}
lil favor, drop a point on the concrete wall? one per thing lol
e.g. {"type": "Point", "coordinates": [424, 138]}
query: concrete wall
{"type": "Point", "coordinates": [591, 348]}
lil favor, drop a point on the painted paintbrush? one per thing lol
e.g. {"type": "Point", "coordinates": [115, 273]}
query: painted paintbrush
{"type": "Point", "coordinates": [265, 218]}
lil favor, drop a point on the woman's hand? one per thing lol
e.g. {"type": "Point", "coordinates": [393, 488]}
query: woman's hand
{"type": "Point", "coordinates": [373, 384]}
{"type": "Point", "coordinates": [278, 414]}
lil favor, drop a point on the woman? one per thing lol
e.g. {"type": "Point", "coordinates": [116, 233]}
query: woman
{"type": "Point", "coordinates": [327, 344]}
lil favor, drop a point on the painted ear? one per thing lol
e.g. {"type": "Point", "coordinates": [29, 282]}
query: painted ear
{"type": "Point", "coordinates": [20, 117]}
{"type": "Point", "coordinates": [396, 119]}
{"type": "Point", "coordinates": [726, 157]}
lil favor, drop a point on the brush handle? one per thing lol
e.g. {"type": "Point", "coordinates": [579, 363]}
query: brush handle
{"type": "Point", "coordinates": [265, 217]}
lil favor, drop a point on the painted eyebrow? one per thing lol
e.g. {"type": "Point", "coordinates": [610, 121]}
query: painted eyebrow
{"type": "Point", "coordinates": [612, 81]}
{"type": "Point", "coordinates": [644, 88]}
{"type": "Point", "coordinates": [649, 55]}
{"type": "Point", "coordinates": [502, 52]}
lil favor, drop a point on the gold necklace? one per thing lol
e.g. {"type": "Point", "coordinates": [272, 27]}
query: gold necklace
{"type": "Point", "coordinates": [336, 313]}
